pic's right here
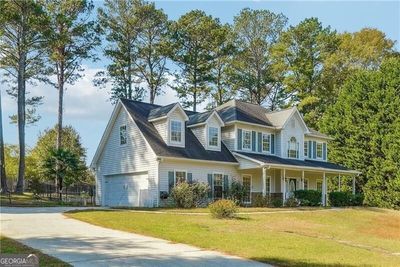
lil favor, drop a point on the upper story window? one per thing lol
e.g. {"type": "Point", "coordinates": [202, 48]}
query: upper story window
{"type": "Point", "coordinates": [213, 136]}
{"type": "Point", "coordinates": [293, 148]}
{"type": "Point", "coordinates": [319, 150]}
{"type": "Point", "coordinates": [246, 142]}
{"type": "Point", "coordinates": [306, 148]}
{"type": "Point", "coordinates": [122, 135]}
{"type": "Point", "coordinates": [176, 131]}
{"type": "Point", "coordinates": [266, 142]}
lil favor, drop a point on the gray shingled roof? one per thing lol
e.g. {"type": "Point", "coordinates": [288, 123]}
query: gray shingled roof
{"type": "Point", "coordinates": [193, 148]}
{"type": "Point", "coordinates": [278, 118]}
{"type": "Point", "coordinates": [160, 111]}
{"type": "Point", "coordinates": [199, 117]}
{"type": "Point", "coordinates": [293, 162]}
{"type": "Point", "coordinates": [235, 110]}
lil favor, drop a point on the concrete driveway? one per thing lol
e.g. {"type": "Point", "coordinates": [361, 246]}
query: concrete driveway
{"type": "Point", "coordinates": [83, 244]}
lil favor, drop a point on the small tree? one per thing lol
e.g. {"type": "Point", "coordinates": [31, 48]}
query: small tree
{"type": "Point", "coordinates": [63, 165]}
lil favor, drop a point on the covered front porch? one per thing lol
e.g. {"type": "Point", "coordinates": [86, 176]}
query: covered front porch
{"type": "Point", "coordinates": [281, 179]}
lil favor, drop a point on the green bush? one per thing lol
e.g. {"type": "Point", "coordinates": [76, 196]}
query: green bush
{"type": "Point", "coordinates": [342, 199]}
{"type": "Point", "coordinates": [261, 201]}
{"type": "Point", "coordinates": [187, 195]}
{"type": "Point", "coordinates": [308, 197]}
{"type": "Point", "coordinates": [276, 202]}
{"type": "Point", "coordinates": [223, 208]}
{"type": "Point", "coordinates": [291, 202]}
{"type": "Point", "coordinates": [236, 192]}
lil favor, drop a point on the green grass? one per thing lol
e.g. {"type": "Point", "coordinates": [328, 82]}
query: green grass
{"type": "Point", "coordinates": [350, 237]}
{"type": "Point", "coordinates": [28, 200]}
{"type": "Point", "coordinates": [10, 246]}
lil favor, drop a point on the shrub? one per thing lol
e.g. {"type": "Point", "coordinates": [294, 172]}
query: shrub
{"type": "Point", "coordinates": [308, 197]}
{"type": "Point", "coordinates": [342, 199]}
{"type": "Point", "coordinates": [277, 202]}
{"type": "Point", "coordinates": [223, 208]}
{"type": "Point", "coordinates": [187, 195]}
{"type": "Point", "coordinates": [261, 201]}
{"type": "Point", "coordinates": [236, 192]}
{"type": "Point", "coordinates": [291, 202]}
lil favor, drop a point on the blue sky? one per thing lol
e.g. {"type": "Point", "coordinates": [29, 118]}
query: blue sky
{"type": "Point", "coordinates": [87, 108]}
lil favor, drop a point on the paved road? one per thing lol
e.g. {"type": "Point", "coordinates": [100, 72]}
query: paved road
{"type": "Point", "coordinates": [83, 244]}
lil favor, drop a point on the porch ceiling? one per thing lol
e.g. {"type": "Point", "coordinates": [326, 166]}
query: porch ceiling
{"type": "Point", "coordinates": [277, 162]}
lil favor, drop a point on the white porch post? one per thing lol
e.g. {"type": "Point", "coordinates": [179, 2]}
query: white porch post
{"type": "Point", "coordinates": [324, 190]}
{"type": "Point", "coordinates": [302, 180]}
{"type": "Point", "coordinates": [354, 185]}
{"type": "Point", "coordinates": [284, 186]}
{"type": "Point", "coordinates": [340, 184]}
{"type": "Point", "coordinates": [264, 184]}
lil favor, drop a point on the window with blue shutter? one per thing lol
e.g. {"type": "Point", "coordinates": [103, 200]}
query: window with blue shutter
{"type": "Point", "coordinates": [272, 143]}
{"type": "Point", "coordinates": [253, 141]}
{"type": "Point", "coordinates": [324, 150]}
{"type": "Point", "coordinates": [226, 185]}
{"type": "Point", "coordinates": [310, 149]}
{"type": "Point", "coordinates": [210, 184]}
{"type": "Point", "coordinates": [171, 181]}
{"type": "Point", "coordinates": [189, 178]}
{"type": "Point", "coordinates": [239, 141]}
{"type": "Point", "coordinates": [259, 142]}
{"type": "Point", "coordinates": [314, 149]}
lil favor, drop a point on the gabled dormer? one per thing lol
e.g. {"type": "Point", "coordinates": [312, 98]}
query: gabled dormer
{"type": "Point", "coordinates": [206, 127]}
{"type": "Point", "coordinates": [170, 123]}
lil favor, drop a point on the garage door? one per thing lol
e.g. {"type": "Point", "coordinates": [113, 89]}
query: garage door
{"type": "Point", "coordinates": [128, 190]}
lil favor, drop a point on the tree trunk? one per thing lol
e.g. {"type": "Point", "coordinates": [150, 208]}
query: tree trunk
{"type": "Point", "coordinates": [60, 85]}
{"type": "Point", "coordinates": [21, 121]}
{"type": "Point", "coordinates": [3, 177]}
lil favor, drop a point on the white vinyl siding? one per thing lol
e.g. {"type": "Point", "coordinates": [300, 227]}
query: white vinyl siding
{"type": "Point", "coordinates": [135, 156]}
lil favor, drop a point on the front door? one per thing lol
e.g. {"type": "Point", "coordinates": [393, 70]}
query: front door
{"type": "Point", "coordinates": [247, 188]}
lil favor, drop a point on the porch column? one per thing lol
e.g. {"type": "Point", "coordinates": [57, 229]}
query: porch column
{"type": "Point", "coordinates": [324, 190]}
{"type": "Point", "coordinates": [264, 184]}
{"type": "Point", "coordinates": [284, 186]}
{"type": "Point", "coordinates": [302, 180]}
{"type": "Point", "coordinates": [340, 184]}
{"type": "Point", "coordinates": [354, 185]}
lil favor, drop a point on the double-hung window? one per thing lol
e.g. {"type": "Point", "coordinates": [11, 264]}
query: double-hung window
{"type": "Point", "coordinates": [266, 142]}
{"type": "Point", "coordinates": [180, 177]}
{"type": "Point", "coordinates": [305, 184]}
{"type": "Point", "coordinates": [176, 131]}
{"type": "Point", "coordinates": [246, 142]}
{"type": "Point", "coordinates": [213, 136]}
{"type": "Point", "coordinates": [122, 135]}
{"type": "Point", "coordinates": [319, 185]}
{"type": "Point", "coordinates": [218, 185]}
{"type": "Point", "coordinates": [293, 148]}
{"type": "Point", "coordinates": [319, 150]}
{"type": "Point", "coordinates": [305, 148]}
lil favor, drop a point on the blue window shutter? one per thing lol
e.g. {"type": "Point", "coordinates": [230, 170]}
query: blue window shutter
{"type": "Point", "coordinates": [171, 181]}
{"type": "Point", "coordinates": [324, 151]}
{"type": "Point", "coordinates": [226, 185]}
{"type": "Point", "coordinates": [253, 141]}
{"type": "Point", "coordinates": [189, 178]}
{"type": "Point", "coordinates": [239, 141]}
{"type": "Point", "coordinates": [314, 149]}
{"type": "Point", "coordinates": [259, 142]}
{"type": "Point", "coordinates": [272, 144]}
{"type": "Point", "coordinates": [210, 184]}
{"type": "Point", "coordinates": [310, 149]}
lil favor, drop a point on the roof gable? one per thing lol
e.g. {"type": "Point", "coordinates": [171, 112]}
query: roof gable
{"type": "Point", "coordinates": [162, 112]}
{"type": "Point", "coordinates": [296, 114]}
{"type": "Point", "coordinates": [203, 118]}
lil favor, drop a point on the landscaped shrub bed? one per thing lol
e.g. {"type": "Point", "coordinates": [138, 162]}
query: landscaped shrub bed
{"type": "Point", "coordinates": [187, 195]}
{"type": "Point", "coordinates": [223, 208]}
{"type": "Point", "coordinates": [308, 197]}
{"type": "Point", "coordinates": [342, 199]}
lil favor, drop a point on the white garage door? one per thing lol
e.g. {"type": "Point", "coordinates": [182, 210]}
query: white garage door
{"type": "Point", "coordinates": [128, 190]}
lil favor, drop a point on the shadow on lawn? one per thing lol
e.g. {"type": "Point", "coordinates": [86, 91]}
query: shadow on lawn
{"type": "Point", "coordinates": [295, 263]}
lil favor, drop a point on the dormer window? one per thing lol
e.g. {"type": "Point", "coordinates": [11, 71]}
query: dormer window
{"type": "Point", "coordinates": [176, 131]}
{"type": "Point", "coordinates": [293, 148]}
{"type": "Point", "coordinates": [246, 142]}
{"type": "Point", "coordinates": [213, 137]}
{"type": "Point", "coordinates": [122, 135]}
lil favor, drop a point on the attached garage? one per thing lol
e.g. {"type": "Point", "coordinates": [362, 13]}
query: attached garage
{"type": "Point", "coordinates": [127, 190]}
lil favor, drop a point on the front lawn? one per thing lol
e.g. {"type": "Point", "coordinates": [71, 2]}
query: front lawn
{"type": "Point", "coordinates": [10, 246]}
{"type": "Point", "coordinates": [350, 237]}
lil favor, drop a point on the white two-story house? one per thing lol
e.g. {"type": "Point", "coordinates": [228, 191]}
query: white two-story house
{"type": "Point", "coordinates": [147, 149]}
